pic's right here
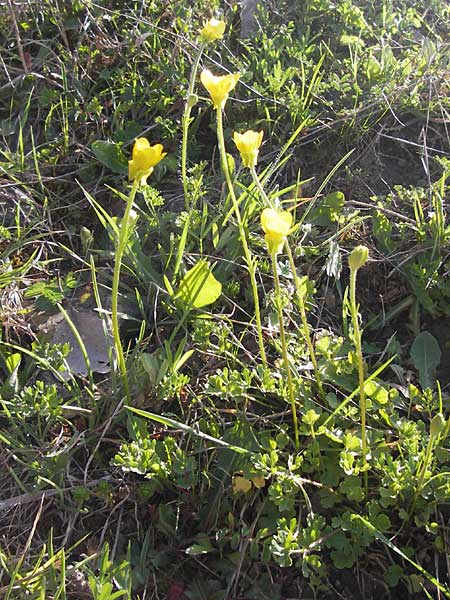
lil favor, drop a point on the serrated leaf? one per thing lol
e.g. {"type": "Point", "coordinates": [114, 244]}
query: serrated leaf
{"type": "Point", "coordinates": [110, 155]}
{"type": "Point", "coordinates": [426, 355]}
{"type": "Point", "coordinates": [199, 287]}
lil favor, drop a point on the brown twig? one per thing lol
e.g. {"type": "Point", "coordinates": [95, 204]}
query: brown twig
{"type": "Point", "coordinates": [17, 32]}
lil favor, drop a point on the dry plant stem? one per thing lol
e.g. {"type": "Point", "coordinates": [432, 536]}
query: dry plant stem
{"type": "Point", "coordinates": [304, 318]}
{"type": "Point", "coordinates": [284, 347]}
{"type": "Point", "coordinates": [185, 122]}
{"type": "Point", "coordinates": [121, 245]}
{"type": "Point", "coordinates": [359, 357]}
{"type": "Point", "coordinates": [17, 34]}
{"type": "Point", "coordinates": [248, 256]}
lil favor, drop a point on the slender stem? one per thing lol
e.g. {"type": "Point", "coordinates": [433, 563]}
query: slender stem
{"type": "Point", "coordinates": [284, 347]}
{"type": "Point", "coordinates": [121, 245]}
{"type": "Point", "coordinates": [247, 254]}
{"type": "Point", "coordinates": [261, 190]}
{"type": "Point", "coordinates": [185, 123]}
{"type": "Point", "coordinates": [298, 289]}
{"type": "Point", "coordinates": [304, 319]}
{"type": "Point", "coordinates": [424, 467]}
{"type": "Point", "coordinates": [359, 356]}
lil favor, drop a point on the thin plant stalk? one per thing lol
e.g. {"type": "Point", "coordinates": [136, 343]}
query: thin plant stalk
{"type": "Point", "coordinates": [438, 426]}
{"type": "Point", "coordinates": [304, 319]}
{"type": "Point", "coordinates": [185, 122]}
{"type": "Point", "coordinates": [298, 290]}
{"type": "Point", "coordinates": [359, 358]}
{"type": "Point", "coordinates": [284, 349]}
{"type": "Point", "coordinates": [124, 231]}
{"type": "Point", "coordinates": [247, 254]}
{"type": "Point", "coordinates": [188, 105]}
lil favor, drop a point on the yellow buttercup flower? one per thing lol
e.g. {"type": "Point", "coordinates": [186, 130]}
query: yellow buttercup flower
{"type": "Point", "coordinates": [212, 30]}
{"type": "Point", "coordinates": [218, 86]}
{"type": "Point", "coordinates": [240, 484]}
{"type": "Point", "coordinates": [276, 225]}
{"type": "Point", "coordinates": [144, 158]}
{"type": "Point", "coordinates": [248, 144]}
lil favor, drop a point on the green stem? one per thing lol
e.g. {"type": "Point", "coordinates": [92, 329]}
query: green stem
{"type": "Point", "coordinates": [284, 347]}
{"type": "Point", "coordinates": [261, 190]}
{"type": "Point", "coordinates": [423, 470]}
{"type": "Point", "coordinates": [298, 289]}
{"type": "Point", "coordinates": [185, 123]}
{"type": "Point", "coordinates": [359, 357]}
{"type": "Point", "coordinates": [121, 245]}
{"type": "Point", "coordinates": [247, 254]}
{"type": "Point", "coordinates": [304, 319]}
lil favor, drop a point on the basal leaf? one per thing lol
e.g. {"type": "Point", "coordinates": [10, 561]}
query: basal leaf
{"type": "Point", "coordinates": [199, 287]}
{"type": "Point", "coordinates": [110, 155]}
{"type": "Point", "coordinates": [327, 209]}
{"type": "Point", "coordinates": [426, 355]}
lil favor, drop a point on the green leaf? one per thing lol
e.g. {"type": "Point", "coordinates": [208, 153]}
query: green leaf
{"type": "Point", "coordinates": [110, 155]}
{"type": "Point", "coordinates": [393, 575]}
{"type": "Point", "coordinates": [13, 361]}
{"type": "Point", "coordinates": [376, 392]}
{"type": "Point", "coordinates": [201, 548]}
{"type": "Point", "coordinates": [426, 355]}
{"type": "Point", "coordinates": [327, 210]}
{"type": "Point", "coordinates": [199, 287]}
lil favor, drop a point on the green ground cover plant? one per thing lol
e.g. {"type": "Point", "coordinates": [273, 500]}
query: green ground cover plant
{"type": "Point", "coordinates": [224, 297]}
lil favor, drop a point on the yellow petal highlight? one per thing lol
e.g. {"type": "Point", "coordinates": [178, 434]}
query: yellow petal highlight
{"type": "Point", "coordinates": [276, 225]}
{"type": "Point", "coordinates": [218, 87]}
{"type": "Point", "coordinates": [248, 144]}
{"type": "Point", "coordinates": [144, 157]}
{"type": "Point", "coordinates": [212, 30]}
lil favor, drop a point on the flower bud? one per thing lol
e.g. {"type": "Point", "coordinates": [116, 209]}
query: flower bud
{"type": "Point", "coordinates": [358, 257]}
{"type": "Point", "coordinates": [437, 425]}
{"type": "Point", "coordinates": [192, 100]}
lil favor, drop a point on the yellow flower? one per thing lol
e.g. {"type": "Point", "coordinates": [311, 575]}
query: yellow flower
{"type": "Point", "coordinates": [218, 87]}
{"type": "Point", "coordinates": [258, 482]}
{"type": "Point", "coordinates": [240, 484]}
{"type": "Point", "coordinates": [212, 30]}
{"type": "Point", "coordinates": [248, 144]}
{"type": "Point", "coordinates": [276, 225]}
{"type": "Point", "coordinates": [144, 158]}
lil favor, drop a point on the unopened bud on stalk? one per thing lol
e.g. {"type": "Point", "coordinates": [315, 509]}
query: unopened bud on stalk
{"type": "Point", "coordinates": [192, 100]}
{"type": "Point", "coordinates": [358, 257]}
{"type": "Point", "coordinates": [437, 425]}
